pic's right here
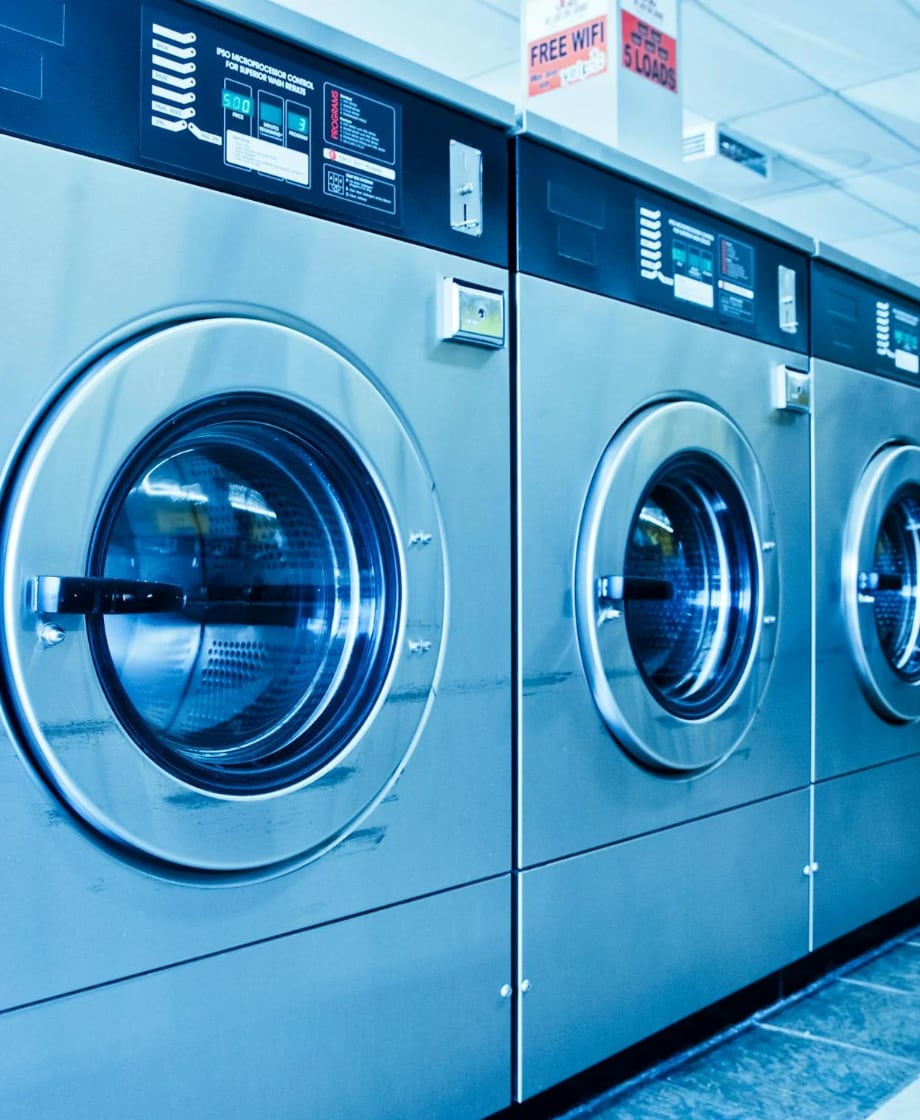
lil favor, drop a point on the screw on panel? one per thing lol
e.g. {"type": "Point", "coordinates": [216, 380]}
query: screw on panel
{"type": "Point", "coordinates": [419, 539]}
{"type": "Point", "coordinates": [419, 647]}
{"type": "Point", "coordinates": [810, 868]}
{"type": "Point", "coordinates": [50, 635]}
{"type": "Point", "coordinates": [768, 546]}
{"type": "Point", "coordinates": [769, 620]}
{"type": "Point", "coordinates": [526, 985]}
{"type": "Point", "coordinates": [505, 991]}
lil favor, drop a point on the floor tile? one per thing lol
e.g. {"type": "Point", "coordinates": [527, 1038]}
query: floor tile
{"type": "Point", "coordinates": [850, 1050]}
{"type": "Point", "coordinates": [657, 1101]}
{"type": "Point", "coordinates": [877, 1019]}
{"type": "Point", "coordinates": [904, 1106]}
{"type": "Point", "coordinates": [774, 1076]}
{"type": "Point", "coordinates": [899, 968]}
{"type": "Point", "coordinates": [767, 1075]}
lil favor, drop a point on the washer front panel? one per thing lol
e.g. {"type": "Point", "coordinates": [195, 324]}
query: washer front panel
{"type": "Point", "coordinates": [63, 686]}
{"type": "Point", "coordinates": [880, 581]}
{"type": "Point", "coordinates": [676, 607]}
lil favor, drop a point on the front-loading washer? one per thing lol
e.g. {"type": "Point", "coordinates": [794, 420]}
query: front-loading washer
{"type": "Point", "coordinates": [255, 765]}
{"type": "Point", "coordinates": [866, 331]}
{"type": "Point", "coordinates": [663, 714]}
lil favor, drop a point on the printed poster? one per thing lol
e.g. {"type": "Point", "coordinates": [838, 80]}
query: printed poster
{"type": "Point", "coordinates": [566, 43]}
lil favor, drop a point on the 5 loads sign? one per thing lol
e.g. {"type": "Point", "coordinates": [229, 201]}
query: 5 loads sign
{"type": "Point", "coordinates": [566, 42]}
{"type": "Point", "coordinates": [649, 40]}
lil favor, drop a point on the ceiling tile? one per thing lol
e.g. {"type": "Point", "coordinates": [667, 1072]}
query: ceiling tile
{"type": "Point", "coordinates": [463, 38]}
{"type": "Point", "coordinates": [503, 82]}
{"type": "Point", "coordinates": [896, 252]}
{"type": "Point", "coordinates": [838, 42]}
{"type": "Point", "coordinates": [511, 8]}
{"type": "Point", "coordinates": [825, 212]}
{"type": "Point", "coordinates": [896, 192]}
{"type": "Point", "coordinates": [895, 102]}
{"type": "Point", "coordinates": [829, 136]}
{"type": "Point", "coordinates": [723, 74]}
{"type": "Point", "coordinates": [724, 177]}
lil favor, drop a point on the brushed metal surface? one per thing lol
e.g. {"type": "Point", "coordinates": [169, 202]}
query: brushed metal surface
{"type": "Point", "coordinates": [106, 254]}
{"type": "Point", "coordinates": [856, 415]}
{"type": "Point", "coordinates": [586, 365]}
{"type": "Point", "coordinates": [114, 786]}
{"type": "Point", "coordinates": [621, 942]}
{"type": "Point", "coordinates": [387, 1015]}
{"type": "Point", "coordinates": [867, 845]}
{"type": "Point", "coordinates": [633, 713]}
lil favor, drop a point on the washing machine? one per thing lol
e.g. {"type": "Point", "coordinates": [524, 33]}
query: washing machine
{"type": "Point", "coordinates": [866, 329]}
{"type": "Point", "coordinates": [255, 764]}
{"type": "Point", "coordinates": [663, 659]}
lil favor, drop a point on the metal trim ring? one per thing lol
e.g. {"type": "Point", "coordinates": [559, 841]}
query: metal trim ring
{"type": "Point", "coordinates": [655, 736]}
{"type": "Point", "coordinates": [889, 471]}
{"type": "Point", "coordinates": [60, 705]}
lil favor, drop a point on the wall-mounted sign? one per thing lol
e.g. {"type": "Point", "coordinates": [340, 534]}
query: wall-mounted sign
{"type": "Point", "coordinates": [649, 40]}
{"type": "Point", "coordinates": [566, 42]}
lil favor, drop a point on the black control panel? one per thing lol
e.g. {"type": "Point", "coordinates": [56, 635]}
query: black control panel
{"type": "Point", "coordinates": [583, 225]}
{"type": "Point", "coordinates": [859, 324]}
{"type": "Point", "coordinates": [171, 87]}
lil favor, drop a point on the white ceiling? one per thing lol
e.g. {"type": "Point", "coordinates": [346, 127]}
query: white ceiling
{"type": "Point", "coordinates": [831, 87]}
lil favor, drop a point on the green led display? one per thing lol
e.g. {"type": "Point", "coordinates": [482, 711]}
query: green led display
{"type": "Point", "coordinates": [236, 102]}
{"type": "Point", "coordinates": [270, 113]}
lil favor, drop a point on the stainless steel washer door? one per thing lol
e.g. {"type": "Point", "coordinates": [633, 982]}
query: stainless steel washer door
{"type": "Point", "coordinates": [207, 592]}
{"type": "Point", "coordinates": [676, 586]}
{"type": "Point", "coordinates": [881, 582]}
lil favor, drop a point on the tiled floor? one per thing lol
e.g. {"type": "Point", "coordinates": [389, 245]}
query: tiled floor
{"type": "Point", "coordinates": [848, 1049]}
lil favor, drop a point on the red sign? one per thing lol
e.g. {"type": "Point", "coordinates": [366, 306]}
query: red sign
{"type": "Point", "coordinates": [648, 52]}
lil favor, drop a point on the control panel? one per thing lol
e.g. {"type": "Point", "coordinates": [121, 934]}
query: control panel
{"type": "Point", "coordinates": [184, 91]}
{"type": "Point", "coordinates": [584, 225]}
{"type": "Point", "coordinates": [860, 324]}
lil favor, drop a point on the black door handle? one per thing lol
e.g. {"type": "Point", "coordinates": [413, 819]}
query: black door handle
{"type": "Point", "coordinates": [258, 605]}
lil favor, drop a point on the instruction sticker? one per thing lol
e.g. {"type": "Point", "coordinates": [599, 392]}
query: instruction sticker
{"type": "Point", "coordinates": [711, 271]}
{"type": "Point", "coordinates": [566, 42]}
{"type": "Point", "coordinates": [897, 336]}
{"type": "Point", "coordinates": [225, 103]}
{"type": "Point", "coordinates": [360, 148]}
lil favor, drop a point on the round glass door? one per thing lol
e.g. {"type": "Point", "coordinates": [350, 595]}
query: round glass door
{"type": "Point", "coordinates": [264, 575]}
{"type": "Point", "coordinates": [676, 587]}
{"type": "Point", "coordinates": [207, 592]}
{"type": "Point", "coordinates": [690, 586]}
{"type": "Point", "coordinates": [881, 582]}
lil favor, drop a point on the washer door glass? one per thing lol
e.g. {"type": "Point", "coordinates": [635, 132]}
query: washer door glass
{"type": "Point", "coordinates": [265, 575]}
{"type": "Point", "coordinates": [207, 590]}
{"type": "Point", "coordinates": [691, 578]}
{"type": "Point", "coordinates": [881, 582]}
{"type": "Point", "coordinates": [675, 586]}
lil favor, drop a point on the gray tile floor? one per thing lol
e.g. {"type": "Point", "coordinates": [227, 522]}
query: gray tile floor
{"type": "Point", "coordinates": [847, 1049]}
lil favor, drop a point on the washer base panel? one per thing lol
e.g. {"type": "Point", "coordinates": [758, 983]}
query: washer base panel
{"type": "Point", "coordinates": [625, 941]}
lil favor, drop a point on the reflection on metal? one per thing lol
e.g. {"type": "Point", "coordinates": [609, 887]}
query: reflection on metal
{"type": "Point", "coordinates": [50, 635]}
{"type": "Point", "coordinates": [465, 189]}
{"type": "Point", "coordinates": [696, 588]}
{"type": "Point", "coordinates": [788, 317]}
{"type": "Point", "coordinates": [881, 582]}
{"type": "Point", "coordinates": [471, 314]}
{"type": "Point", "coordinates": [791, 389]}
{"type": "Point", "coordinates": [242, 590]}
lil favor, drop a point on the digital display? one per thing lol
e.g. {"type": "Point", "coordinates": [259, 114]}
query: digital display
{"type": "Point", "coordinates": [297, 122]}
{"type": "Point", "coordinates": [236, 102]}
{"type": "Point", "coordinates": [906, 340]}
{"type": "Point", "coordinates": [270, 113]}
